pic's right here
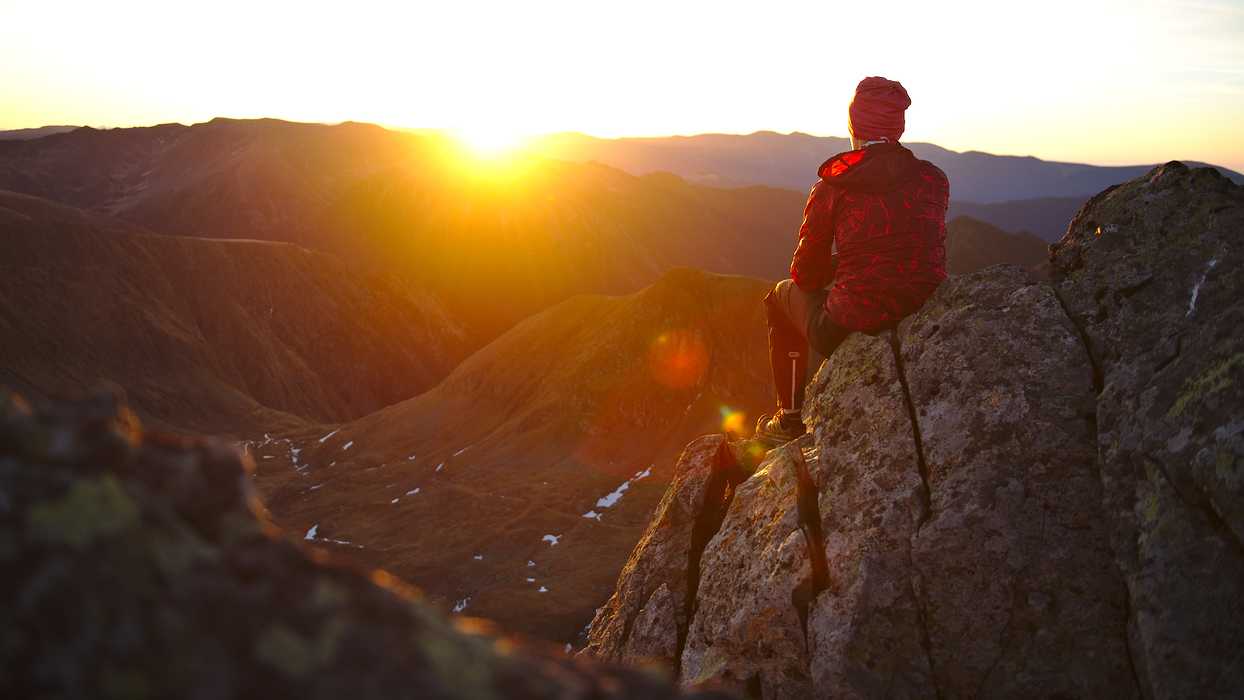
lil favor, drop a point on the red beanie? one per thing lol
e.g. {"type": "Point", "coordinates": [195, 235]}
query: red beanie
{"type": "Point", "coordinates": [877, 110]}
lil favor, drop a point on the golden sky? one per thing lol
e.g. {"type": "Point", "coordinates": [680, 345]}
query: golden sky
{"type": "Point", "coordinates": [1090, 81]}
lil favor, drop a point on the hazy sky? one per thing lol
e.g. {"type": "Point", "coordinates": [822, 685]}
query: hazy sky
{"type": "Point", "coordinates": [1096, 81]}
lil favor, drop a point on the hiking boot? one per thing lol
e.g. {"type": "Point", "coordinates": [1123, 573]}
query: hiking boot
{"type": "Point", "coordinates": [780, 428]}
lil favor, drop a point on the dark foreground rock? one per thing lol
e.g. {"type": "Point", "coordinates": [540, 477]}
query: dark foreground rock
{"type": "Point", "coordinates": [134, 567]}
{"type": "Point", "coordinates": [1022, 491]}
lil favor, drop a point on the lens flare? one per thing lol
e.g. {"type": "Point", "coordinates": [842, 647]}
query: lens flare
{"type": "Point", "coordinates": [678, 359]}
{"type": "Point", "coordinates": [732, 420]}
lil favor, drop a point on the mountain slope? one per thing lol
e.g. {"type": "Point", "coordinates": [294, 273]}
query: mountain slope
{"type": "Point", "coordinates": [973, 245]}
{"type": "Point", "coordinates": [205, 335]}
{"type": "Point", "coordinates": [516, 487]}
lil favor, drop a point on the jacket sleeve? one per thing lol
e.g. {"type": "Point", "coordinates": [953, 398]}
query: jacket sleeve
{"type": "Point", "coordinates": [813, 264]}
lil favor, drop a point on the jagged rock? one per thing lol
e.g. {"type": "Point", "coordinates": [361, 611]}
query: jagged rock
{"type": "Point", "coordinates": [1152, 273]}
{"type": "Point", "coordinates": [746, 631]}
{"type": "Point", "coordinates": [1024, 491]}
{"type": "Point", "coordinates": [135, 568]}
{"type": "Point", "coordinates": [659, 562]}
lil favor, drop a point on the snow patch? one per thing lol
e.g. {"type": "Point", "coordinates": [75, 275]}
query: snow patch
{"type": "Point", "coordinates": [411, 493]}
{"type": "Point", "coordinates": [1197, 289]}
{"type": "Point", "coordinates": [326, 436]}
{"type": "Point", "coordinates": [531, 580]}
{"type": "Point", "coordinates": [311, 532]}
{"type": "Point", "coordinates": [592, 514]}
{"type": "Point", "coordinates": [438, 467]}
{"type": "Point", "coordinates": [542, 590]}
{"type": "Point", "coordinates": [531, 563]}
{"type": "Point", "coordinates": [479, 557]}
{"type": "Point", "coordinates": [551, 539]}
{"type": "Point", "coordinates": [463, 450]}
{"type": "Point", "coordinates": [458, 606]}
{"type": "Point", "coordinates": [612, 498]}
{"type": "Point", "coordinates": [315, 487]}
{"type": "Point", "coordinates": [394, 500]}
{"type": "Point", "coordinates": [347, 445]}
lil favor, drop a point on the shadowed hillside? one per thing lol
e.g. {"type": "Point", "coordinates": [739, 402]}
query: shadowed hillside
{"type": "Point", "coordinates": [973, 245]}
{"type": "Point", "coordinates": [1044, 217]}
{"type": "Point", "coordinates": [205, 335]}
{"type": "Point", "coordinates": [516, 488]}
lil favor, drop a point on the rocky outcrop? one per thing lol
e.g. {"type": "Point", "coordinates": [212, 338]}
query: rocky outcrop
{"type": "Point", "coordinates": [1022, 491]}
{"type": "Point", "coordinates": [1152, 272]}
{"type": "Point", "coordinates": [135, 568]}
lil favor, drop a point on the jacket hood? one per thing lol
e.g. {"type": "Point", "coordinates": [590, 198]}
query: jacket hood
{"type": "Point", "coordinates": [873, 170]}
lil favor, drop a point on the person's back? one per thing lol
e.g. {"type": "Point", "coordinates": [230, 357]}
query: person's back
{"type": "Point", "coordinates": [884, 212]}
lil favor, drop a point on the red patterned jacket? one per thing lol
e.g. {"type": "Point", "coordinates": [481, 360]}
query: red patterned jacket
{"type": "Point", "coordinates": [886, 211]}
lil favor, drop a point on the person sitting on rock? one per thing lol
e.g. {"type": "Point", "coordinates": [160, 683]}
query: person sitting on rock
{"type": "Point", "coordinates": [884, 213]}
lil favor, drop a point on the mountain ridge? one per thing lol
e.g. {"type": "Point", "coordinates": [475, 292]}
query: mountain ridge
{"type": "Point", "coordinates": [208, 335]}
{"type": "Point", "coordinates": [791, 160]}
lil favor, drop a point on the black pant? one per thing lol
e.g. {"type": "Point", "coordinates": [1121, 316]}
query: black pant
{"type": "Point", "coordinates": [796, 321]}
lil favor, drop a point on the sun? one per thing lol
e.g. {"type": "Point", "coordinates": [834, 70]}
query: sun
{"type": "Point", "coordinates": [487, 138]}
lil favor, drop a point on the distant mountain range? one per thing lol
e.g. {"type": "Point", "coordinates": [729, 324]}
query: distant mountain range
{"type": "Point", "coordinates": [37, 132]}
{"type": "Point", "coordinates": [791, 160]}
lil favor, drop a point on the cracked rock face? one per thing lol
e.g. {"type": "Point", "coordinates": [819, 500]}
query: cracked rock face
{"type": "Point", "coordinates": [1019, 588]}
{"type": "Point", "coordinates": [866, 630]}
{"type": "Point", "coordinates": [1152, 272]}
{"type": "Point", "coordinates": [1022, 491]}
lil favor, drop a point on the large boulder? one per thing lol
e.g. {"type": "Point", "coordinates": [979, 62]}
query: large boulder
{"type": "Point", "coordinates": [1022, 491]}
{"type": "Point", "coordinates": [134, 567]}
{"type": "Point", "coordinates": [1152, 272]}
